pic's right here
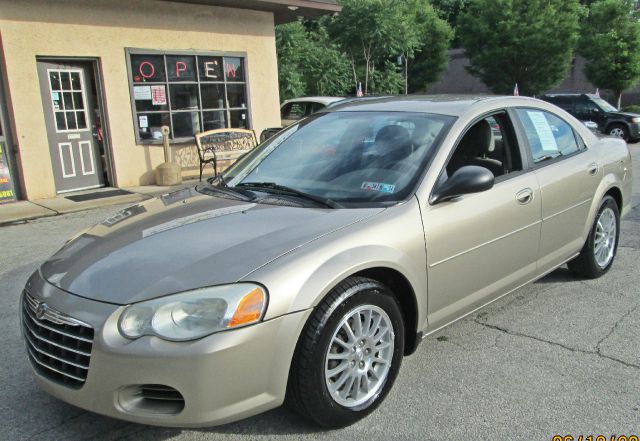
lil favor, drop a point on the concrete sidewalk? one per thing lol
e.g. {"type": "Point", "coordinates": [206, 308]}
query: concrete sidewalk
{"type": "Point", "coordinates": [25, 210]}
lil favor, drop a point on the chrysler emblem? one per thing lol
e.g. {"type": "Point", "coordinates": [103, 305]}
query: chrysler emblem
{"type": "Point", "coordinates": [41, 310]}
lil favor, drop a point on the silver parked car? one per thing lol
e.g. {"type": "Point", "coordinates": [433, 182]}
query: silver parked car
{"type": "Point", "coordinates": [309, 269]}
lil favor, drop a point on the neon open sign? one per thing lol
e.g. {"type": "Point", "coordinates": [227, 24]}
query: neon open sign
{"type": "Point", "coordinates": [151, 68]}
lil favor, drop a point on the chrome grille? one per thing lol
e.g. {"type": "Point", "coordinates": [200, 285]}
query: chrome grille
{"type": "Point", "coordinates": [59, 346]}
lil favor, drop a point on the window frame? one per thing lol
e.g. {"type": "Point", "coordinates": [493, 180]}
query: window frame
{"type": "Point", "coordinates": [167, 82]}
{"type": "Point", "coordinates": [582, 147]}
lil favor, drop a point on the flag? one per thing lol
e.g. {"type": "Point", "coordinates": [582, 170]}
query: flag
{"type": "Point", "coordinates": [359, 90]}
{"type": "Point", "coordinates": [516, 92]}
{"type": "Point", "coordinates": [598, 92]}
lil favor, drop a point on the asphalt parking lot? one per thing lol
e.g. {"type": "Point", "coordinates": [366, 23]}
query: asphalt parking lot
{"type": "Point", "coordinates": [560, 356]}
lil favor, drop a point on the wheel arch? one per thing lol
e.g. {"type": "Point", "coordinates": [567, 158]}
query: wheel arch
{"type": "Point", "coordinates": [608, 187]}
{"type": "Point", "coordinates": [616, 122]}
{"type": "Point", "coordinates": [406, 297]}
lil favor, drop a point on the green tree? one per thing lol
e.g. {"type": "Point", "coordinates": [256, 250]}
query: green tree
{"type": "Point", "coordinates": [449, 10]}
{"type": "Point", "coordinates": [374, 33]}
{"type": "Point", "coordinates": [610, 44]}
{"type": "Point", "coordinates": [309, 63]}
{"type": "Point", "coordinates": [431, 57]}
{"type": "Point", "coordinates": [530, 43]}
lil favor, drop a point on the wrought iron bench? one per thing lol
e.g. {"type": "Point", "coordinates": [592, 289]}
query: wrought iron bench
{"type": "Point", "coordinates": [223, 144]}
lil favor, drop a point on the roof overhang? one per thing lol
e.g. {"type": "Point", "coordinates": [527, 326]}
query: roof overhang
{"type": "Point", "coordinates": [284, 11]}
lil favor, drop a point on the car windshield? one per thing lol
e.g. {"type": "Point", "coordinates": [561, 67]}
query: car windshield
{"type": "Point", "coordinates": [604, 105]}
{"type": "Point", "coordinates": [348, 158]}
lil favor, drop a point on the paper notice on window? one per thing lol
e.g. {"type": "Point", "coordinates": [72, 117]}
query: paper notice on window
{"type": "Point", "coordinates": [158, 96]}
{"type": "Point", "coordinates": [141, 93]}
{"type": "Point", "coordinates": [143, 122]}
{"type": "Point", "coordinates": [543, 129]}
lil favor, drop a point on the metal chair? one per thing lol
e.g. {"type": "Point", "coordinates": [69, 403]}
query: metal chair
{"type": "Point", "coordinates": [223, 144]}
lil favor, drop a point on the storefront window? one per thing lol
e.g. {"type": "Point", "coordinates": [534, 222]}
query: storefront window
{"type": "Point", "coordinates": [190, 93]}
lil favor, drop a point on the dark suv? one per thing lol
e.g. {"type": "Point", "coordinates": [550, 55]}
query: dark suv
{"type": "Point", "coordinates": [588, 107]}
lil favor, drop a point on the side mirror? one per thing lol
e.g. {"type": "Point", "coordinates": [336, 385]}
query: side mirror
{"type": "Point", "coordinates": [465, 180]}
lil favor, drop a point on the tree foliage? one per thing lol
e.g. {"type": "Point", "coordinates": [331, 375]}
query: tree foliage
{"type": "Point", "coordinates": [309, 63]}
{"type": "Point", "coordinates": [610, 44]}
{"type": "Point", "coordinates": [529, 42]}
{"type": "Point", "coordinates": [431, 57]}
{"type": "Point", "coordinates": [362, 44]}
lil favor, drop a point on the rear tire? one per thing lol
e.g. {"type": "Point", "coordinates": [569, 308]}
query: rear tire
{"type": "Point", "coordinates": [599, 250]}
{"type": "Point", "coordinates": [339, 376]}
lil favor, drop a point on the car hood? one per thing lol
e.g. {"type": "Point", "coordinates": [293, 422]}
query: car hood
{"type": "Point", "coordinates": [623, 115]}
{"type": "Point", "coordinates": [182, 241]}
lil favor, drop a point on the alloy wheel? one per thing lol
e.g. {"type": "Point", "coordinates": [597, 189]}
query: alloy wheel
{"type": "Point", "coordinates": [605, 238]}
{"type": "Point", "coordinates": [359, 356]}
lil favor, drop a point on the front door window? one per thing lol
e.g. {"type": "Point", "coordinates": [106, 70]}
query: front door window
{"type": "Point", "coordinates": [68, 100]}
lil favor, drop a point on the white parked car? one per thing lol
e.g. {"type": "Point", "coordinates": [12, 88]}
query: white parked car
{"type": "Point", "coordinates": [297, 108]}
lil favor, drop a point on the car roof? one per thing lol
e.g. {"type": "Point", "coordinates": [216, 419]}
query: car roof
{"type": "Point", "coordinates": [315, 99]}
{"type": "Point", "coordinates": [570, 95]}
{"type": "Point", "coordinates": [453, 105]}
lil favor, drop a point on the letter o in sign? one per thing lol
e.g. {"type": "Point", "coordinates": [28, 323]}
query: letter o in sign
{"type": "Point", "coordinates": [150, 71]}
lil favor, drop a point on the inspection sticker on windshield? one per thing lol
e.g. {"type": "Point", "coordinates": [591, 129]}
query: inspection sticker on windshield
{"type": "Point", "coordinates": [378, 186]}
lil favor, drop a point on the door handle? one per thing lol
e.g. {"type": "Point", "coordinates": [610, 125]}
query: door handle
{"type": "Point", "coordinates": [524, 196]}
{"type": "Point", "coordinates": [593, 168]}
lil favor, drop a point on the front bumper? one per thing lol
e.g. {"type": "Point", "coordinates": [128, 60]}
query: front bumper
{"type": "Point", "coordinates": [222, 378]}
{"type": "Point", "coordinates": [634, 130]}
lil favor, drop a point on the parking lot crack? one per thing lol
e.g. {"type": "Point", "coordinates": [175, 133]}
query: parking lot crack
{"type": "Point", "coordinates": [60, 424]}
{"type": "Point", "coordinates": [568, 348]}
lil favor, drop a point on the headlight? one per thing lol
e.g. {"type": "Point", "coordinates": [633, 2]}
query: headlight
{"type": "Point", "coordinates": [635, 119]}
{"type": "Point", "coordinates": [195, 314]}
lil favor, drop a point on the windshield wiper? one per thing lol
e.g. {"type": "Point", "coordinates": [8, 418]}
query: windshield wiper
{"type": "Point", "coordinates": [224, 189]}
{"type": "Point", "coordinates": [272, 187]}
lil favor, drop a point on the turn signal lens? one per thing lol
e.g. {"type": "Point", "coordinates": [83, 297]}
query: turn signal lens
{"type": "Point", "coordinates": [249, 309]}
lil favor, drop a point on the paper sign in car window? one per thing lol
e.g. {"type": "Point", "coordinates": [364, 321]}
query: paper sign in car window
{"type": "Point", "coordinates": [543, 129]}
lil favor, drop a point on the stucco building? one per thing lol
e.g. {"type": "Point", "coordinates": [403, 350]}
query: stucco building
{"type": "Point", "coordinates": [86, 85]}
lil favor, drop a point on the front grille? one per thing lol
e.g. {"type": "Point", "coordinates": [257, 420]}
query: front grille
{"type": "Point", "coordinates": [59, 346]}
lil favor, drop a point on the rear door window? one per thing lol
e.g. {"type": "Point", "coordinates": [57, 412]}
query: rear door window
{"type": "Point", "coordinates": [294, 111]}
{"type": "Point", "coordinates": [549, 136]}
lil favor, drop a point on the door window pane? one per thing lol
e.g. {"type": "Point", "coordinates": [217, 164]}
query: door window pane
{"type": "Point", "coordinates": [54, 80]}
{"type": "Point", "coordinates": [80, 118]}
{"type": "Point", "coordinates": [549, 136]}
{"type": "Point", "coordinates": [181, 68]}
{"type": "Point", "coordinates": [65, 81]}
{"type": "Point", "coordinates": [78, 102]}
{"type": "Point", "coordinates": [184, 96]}
{"type": "Point", "coordinates": [61, 123]}
{"type": "Point", "coordinates": [236, 96]}
{"type": "Point", "coordinates": [67, 101]}
{"type": "Point", "coordinates": [185, 124]}
{"type": "Point", "coordinates": [212, 96]}
{"type": "Point", "coordinates": [147, 68]}
{"type": "Point", "coordinates": [210, 68]}
{"type": "Point", "coordinates": [233, 69]}
{"type": "Point", "coordinates": [75, 81]}
{"type": "Point", "coordinates": [214, 120]}
{"type": "Point", "coordinates": [149, 125]}
{"type": "Point", "coordinates": [71, 121]}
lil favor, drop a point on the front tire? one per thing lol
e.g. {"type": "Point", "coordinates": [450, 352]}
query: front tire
{"type": "Point", "coordinates": [619, 130]}
{"type": "Point", "coordinates": [348, 354]}
{"type": "Point", "coordinates": [599, 250]}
